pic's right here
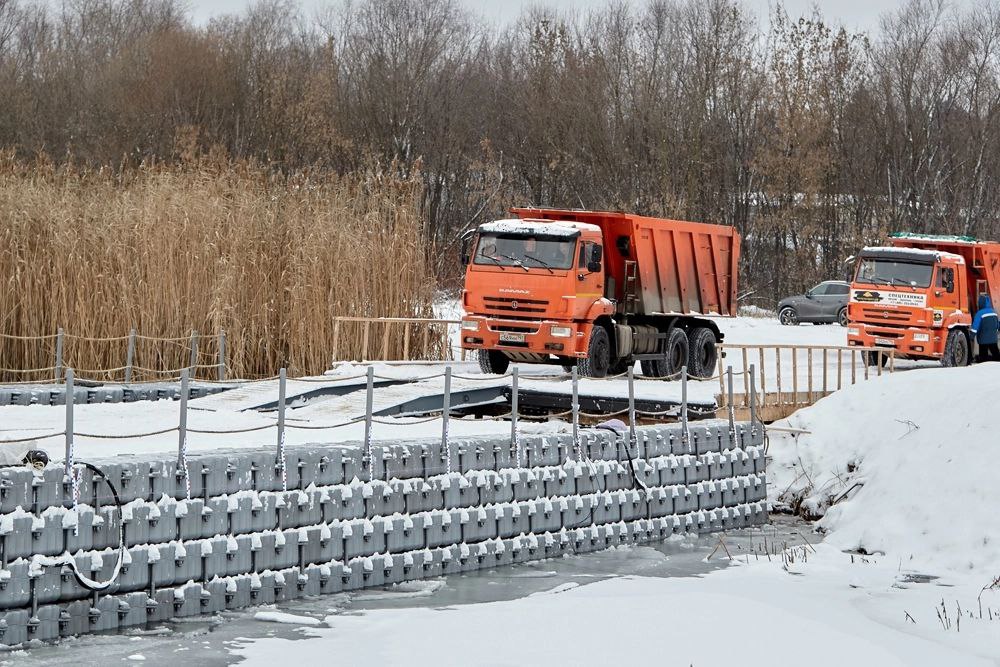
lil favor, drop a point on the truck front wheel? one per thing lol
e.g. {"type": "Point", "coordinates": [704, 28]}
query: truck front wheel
{"type": "Point", "coordinates": [703, 355]}
{"type": "Point", "coordinates": [956, 349]}
{"type": "Point", "coordinates": [492, 362]}
{"type": "Point", "coordinates": [598, 359]}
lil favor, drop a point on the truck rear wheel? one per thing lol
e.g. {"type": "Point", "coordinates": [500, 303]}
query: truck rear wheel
{"type": "Point", "coordinates": [598, 358]}
{"type": "Point", "coordinates": [619, 367]}
{"type": "Point", "coordinates": [674, 358]}
{"type": "Point", "coordinates": [703, 355]}
{"type": "Point", "coordinates": [492, 362]}
{"type": "Point", "coordinates": [956, 349]}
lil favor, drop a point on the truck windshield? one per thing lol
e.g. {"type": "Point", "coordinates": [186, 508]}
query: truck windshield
{"type": "Point", "coordinates": [525, 251]}
{"type": "Point", "coordinates": [888, 272]}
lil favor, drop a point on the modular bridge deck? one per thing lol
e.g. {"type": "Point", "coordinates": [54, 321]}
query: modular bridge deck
{"type": "Point", "coordinates": [345, 399]}
{"type": "Point", "coordinates": [229, 535]}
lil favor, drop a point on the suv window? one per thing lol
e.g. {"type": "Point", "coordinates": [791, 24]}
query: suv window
{"type": "Point", "coordinates": [819, 290]}
{"type": "Point", "coordinates": [836, 288]}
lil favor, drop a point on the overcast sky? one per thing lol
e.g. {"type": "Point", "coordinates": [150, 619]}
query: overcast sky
{"type": "Point", "coordinates": [853, 14]}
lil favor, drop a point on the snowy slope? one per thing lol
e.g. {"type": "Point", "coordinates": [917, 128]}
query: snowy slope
{"type": "Point", "coordinates": [924, 445]}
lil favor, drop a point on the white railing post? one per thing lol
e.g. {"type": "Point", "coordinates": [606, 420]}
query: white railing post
{"type": "Point", "coordinates": [685, 433]}
{"type": "Point", "coordinates": [446, 408]}
{"type": "Point", "coordinates": [59, 355]}
{"type": "Point", "coordinates": [514, 445]}
{"type": "Point", "coordinates": [633, 437]}
{"type": "Point", "coordinates": [731, 406]}
{"type": "Point", "coordinates": [69, 424]}
{"type": "Point", "coordinates": [281, 428]}
{"type": "Point", "coordinates": [369, 402]}
{"type": "Point", "coordinates": [193, 365]}
{"type": "Point", "coordinates": [182, 466]}
{"type": "Point", "coordinates": [575, 407]}
{"type": "Point", "coordinates": [222, 355]}
{"type": "Point", "coordinates": [130, 356]}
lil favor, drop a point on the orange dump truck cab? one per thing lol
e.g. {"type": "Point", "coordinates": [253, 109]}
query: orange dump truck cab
{"type": "Point", "coordinates": [917, 296]}
{"type": "Point", "coordinates": [598, 290]}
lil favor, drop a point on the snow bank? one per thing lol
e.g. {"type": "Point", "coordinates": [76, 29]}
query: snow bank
{"type": "Point", "coordinates": [911, 458]}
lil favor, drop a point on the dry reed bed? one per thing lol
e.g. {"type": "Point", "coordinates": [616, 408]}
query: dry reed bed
{"type": "Point", "coordinates": [205, 246]}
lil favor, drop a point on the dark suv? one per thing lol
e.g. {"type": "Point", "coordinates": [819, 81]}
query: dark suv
{"type": "Point", "coordinates": [823, 304]}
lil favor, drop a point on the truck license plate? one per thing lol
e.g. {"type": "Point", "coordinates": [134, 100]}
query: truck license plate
{"type": "Point", "coordinates": [509, 337]}
{"type": "Point", "coordinates": [885, 342]}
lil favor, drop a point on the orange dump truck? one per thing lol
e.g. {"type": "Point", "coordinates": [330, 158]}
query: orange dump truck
{"type": "Point", "coordinates": [598, 290]}
{"type": "Point", "coordinates": [918, 296]}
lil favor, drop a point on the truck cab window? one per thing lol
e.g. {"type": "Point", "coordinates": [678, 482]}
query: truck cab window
{"type": "Point", "coordinates": [946, 279]}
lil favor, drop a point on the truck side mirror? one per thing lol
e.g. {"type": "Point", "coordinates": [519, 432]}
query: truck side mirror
{"type": "Point", "coordinates": [464, 252]}
{"type": "Point", "coordinates": [949, 280]}
{"type": "Point", "coordinates": [594, 259]}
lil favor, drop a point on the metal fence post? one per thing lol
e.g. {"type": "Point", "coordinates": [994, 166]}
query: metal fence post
{"type": "Point", "coordinates": [281, 428]}
{"type": "Point", "coordinates": [514, 445]}
{"type": "Point", "coordinates": [633, 438]}
{"type": "Point", "coordinates": [222, 355]}
{"type": "Point", "coordinates": [182, 466]}
{"type": "Point", "coordinates": [130, 356]}
{"type": "Point", "coordinates": [732, 408]}
{"type": "Point", "coordinates": [369, 399]}
{"type": "Point", "coordinates": [69, 423]}
{"type": "Point", "coordinates": [753, 403]}
{"type": "Point", "coordinates": [193, 366]}
{"type": "Point", "coordinates": [446, 408]}
{"type": "Point", "coordinates": [685, 433]}
{"type": "Point", "coordinates": [575, 407]}
{"type": "Point", "coordinates": [59, 355]}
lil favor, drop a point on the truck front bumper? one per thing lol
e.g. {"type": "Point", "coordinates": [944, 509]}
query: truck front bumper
{"type": "Point", "coordinates": [526, 336]}
{"type": "Point", "coordinates": [916, 342]}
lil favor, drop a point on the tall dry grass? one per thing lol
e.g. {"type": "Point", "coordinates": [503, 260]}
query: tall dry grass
{"type": "Point", "coordinates": [206, 245]}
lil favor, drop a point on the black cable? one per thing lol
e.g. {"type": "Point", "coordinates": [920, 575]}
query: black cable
{"type": "Point", "coordinates": [84, 581]}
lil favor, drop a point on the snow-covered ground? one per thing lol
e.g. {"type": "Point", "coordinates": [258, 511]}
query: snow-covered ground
{"type": "Point", "coordinates": [907, 573]}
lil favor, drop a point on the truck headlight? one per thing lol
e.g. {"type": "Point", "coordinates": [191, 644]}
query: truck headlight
{"type": "Point", "coordinates": [470, 325]}
{"type": "Point", "coordinates": [852, 331]}
{"type": "Point", "coordinates": [921, 338]}
{"type": "Point", "coordinates": [561, 332]}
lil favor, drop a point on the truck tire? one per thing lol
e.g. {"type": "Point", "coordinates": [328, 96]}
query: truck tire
{"type": "Point", "coordinates": [675, 357]}
{"type": "Point", "coordinates": [598, 359]}
{"type": "Point", "coordinates": [619, 367]}
{"type": "Point", "coordinates": [703, 355]}
{"type": "Point", "coordinates": [956, 349]}
{"type": "Point", "coordinates": [492, 362]}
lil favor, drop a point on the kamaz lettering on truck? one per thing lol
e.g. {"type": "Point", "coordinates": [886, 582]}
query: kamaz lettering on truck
{"type": "Point", "coordinates": [917, 296]}
{"type": "Point", "coordinates": [598, 290]}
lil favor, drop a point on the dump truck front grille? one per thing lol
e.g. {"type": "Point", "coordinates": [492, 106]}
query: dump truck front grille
{"type": "Point", "coordinates": [876, 315]}
{"type": "Point", "coordinates": [505, 305]}
{"type": "Point", "coordinates": [515, 329]}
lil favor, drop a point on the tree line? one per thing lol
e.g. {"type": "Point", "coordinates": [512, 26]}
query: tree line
{"type": "Point", "coordinates": [812, 140]}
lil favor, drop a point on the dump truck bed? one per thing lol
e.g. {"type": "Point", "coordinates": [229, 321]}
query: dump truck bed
{"type": "Point", "coordinates": [680, 268]}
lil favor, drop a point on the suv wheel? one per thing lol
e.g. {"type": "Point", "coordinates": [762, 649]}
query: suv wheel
{"type": "Point", "coordinates": [842, 317]}
{"type": "Point", "coordinates": [788, 316]}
